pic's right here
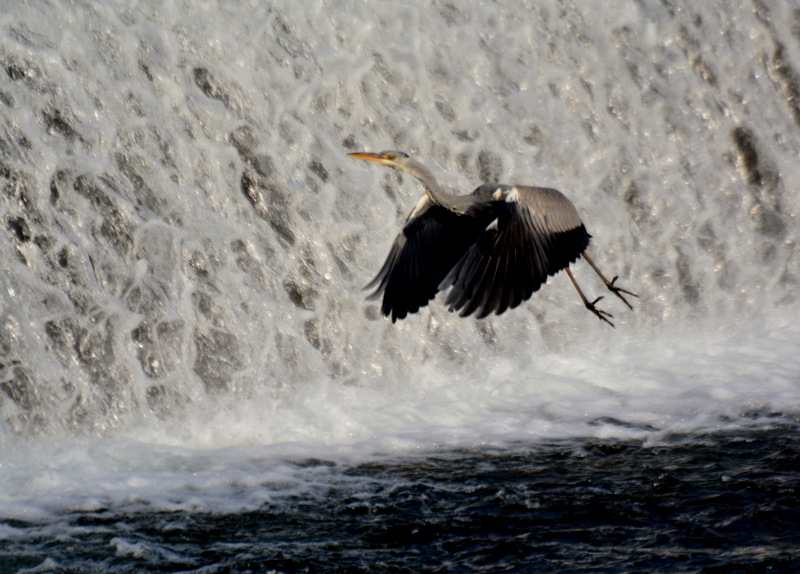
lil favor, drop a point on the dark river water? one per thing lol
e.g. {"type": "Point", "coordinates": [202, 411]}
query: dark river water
{"type": "Point", "coordinates": [712, 503]}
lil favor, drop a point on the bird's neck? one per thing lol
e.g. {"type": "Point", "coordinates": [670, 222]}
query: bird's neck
{"type": "Point", "coordinates": [444, 199]}
{"type": "Point", "coordinates": [439, 196]}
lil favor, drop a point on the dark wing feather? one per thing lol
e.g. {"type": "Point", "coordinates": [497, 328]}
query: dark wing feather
{"type": "Point", "coordinates": [513, 257]}
{"type": "Point", "coordinates": [432, 241]}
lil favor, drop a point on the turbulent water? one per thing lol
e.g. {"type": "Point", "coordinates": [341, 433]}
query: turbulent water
{"type": "Point", "coordinates": [191, 377]}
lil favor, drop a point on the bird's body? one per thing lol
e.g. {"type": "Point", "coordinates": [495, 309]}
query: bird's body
{"type": "Point", "coordinates": [493, 248]}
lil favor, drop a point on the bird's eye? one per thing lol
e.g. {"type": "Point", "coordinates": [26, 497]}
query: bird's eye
{"type": "Point", "coordinates": [391, 157]}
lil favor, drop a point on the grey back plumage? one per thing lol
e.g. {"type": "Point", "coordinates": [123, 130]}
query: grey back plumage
{"type": "Point", "coordinates": [537, 232]}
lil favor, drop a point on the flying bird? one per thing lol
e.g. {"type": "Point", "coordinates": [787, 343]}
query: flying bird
{"type": "Point", "coordinates": [493, 248]}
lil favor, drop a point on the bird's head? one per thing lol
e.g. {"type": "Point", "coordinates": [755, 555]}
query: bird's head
{"type": "Point", "coordinates": [401, 161]}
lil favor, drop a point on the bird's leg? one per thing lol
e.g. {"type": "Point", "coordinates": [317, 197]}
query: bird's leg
{"type": "Point", "coordinates": [602, 315]}
{"type": "Point", "coordinates": [618, 291]}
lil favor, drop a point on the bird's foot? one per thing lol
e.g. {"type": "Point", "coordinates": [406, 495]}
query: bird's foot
{"type": "Point", "coordinates": [618, 291]}
{"type": "Point", "coordinates": [599, 313]}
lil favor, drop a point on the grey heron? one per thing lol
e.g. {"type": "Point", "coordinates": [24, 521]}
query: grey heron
{"type": "Point", "coordinates": [493, 248]}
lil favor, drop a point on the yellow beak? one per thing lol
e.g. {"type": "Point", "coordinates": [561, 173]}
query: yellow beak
{"type": "Point", "coordinates": [373, 157]}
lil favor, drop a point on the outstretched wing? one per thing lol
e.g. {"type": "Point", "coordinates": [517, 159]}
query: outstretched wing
{"type": "Point", "coordinates": [432, 241]}
{"type": "Point", "coordinates": [537, 232]}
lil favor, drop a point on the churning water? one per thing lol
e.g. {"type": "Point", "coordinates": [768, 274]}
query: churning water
{"type": "Point", "coordinates": [191, 378]}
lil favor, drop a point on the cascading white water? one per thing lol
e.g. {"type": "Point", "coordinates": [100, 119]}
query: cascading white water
{"type": "Point", "coordinates": [185, 239]}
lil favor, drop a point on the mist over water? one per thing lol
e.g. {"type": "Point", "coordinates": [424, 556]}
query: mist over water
{"type": "Point", "coordinates": [184, 239]}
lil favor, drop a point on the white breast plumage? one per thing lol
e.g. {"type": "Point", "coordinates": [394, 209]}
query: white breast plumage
{"type": "Point", "coordinates": [513, 196]}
